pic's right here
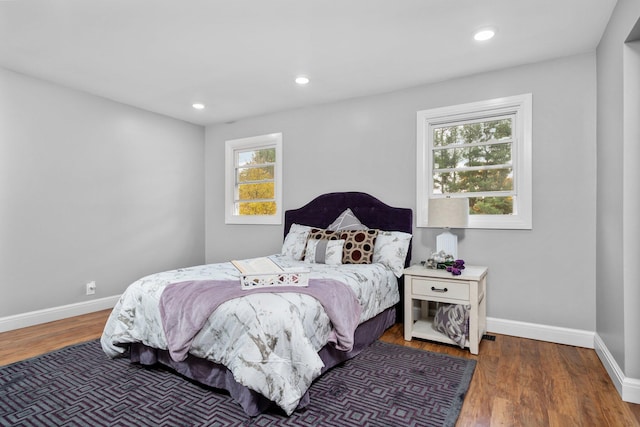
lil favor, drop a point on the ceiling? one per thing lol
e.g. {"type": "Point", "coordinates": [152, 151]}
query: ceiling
{"type": "Point", "coordinates": [240, 57]}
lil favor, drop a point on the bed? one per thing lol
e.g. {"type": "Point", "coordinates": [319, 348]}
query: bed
{"type": "Point", "coordinates": [266, 348]}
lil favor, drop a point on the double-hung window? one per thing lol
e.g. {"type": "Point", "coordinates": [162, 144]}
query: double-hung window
{"type": "Point", "coordinates": [254, 180]}
{"type": "Point", "coordinates": [480, 151]}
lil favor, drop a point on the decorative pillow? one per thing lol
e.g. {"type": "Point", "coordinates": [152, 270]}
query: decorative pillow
{"type": "Point", "coordinates": [296, 241]}
{"type": "Point", "coordinates": [358, 246]}
{"type": "Point", "coordinates": [347, 221]}
{"type": "Point", "coordinates": [453, 321]}
{"type": "Point", "coordinates": [321, 233]}
{"type": "Point", "coordinates": [324, 251]}
{"type": "Point", "coordinates": [391, 250]}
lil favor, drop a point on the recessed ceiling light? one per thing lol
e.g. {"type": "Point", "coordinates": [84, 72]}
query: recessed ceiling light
{"type": "Point", "coordinates": [198, 106]}
{"type": "Point", "coordinates": [484, 34]}
{"type": "Point", "coordinates": [302, 80]}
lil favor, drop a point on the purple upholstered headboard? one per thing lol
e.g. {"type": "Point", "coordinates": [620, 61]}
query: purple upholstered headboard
{"type": "Point", "coordinates": [324, 209]}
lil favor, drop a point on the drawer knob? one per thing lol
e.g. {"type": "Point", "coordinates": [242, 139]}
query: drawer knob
{"type": "Point", "coordinates": [434, 289]}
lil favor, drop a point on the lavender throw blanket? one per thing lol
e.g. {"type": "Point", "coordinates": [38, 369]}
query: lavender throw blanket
{"type": "Point", "coordinates": [186, 306]}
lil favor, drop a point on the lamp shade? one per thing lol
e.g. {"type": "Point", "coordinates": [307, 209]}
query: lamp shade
{"type": "Point", "coordinates": [449, 212]}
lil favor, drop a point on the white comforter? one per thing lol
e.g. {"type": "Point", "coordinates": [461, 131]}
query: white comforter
{"type": "Point", "coordinates": [268, 341]}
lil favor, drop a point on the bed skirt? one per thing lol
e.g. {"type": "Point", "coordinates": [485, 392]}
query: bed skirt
{"type": "Point", "coordinates": [253, 403]}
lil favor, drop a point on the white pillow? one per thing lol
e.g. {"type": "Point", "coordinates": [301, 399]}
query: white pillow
{"type": "Point", "coordinates": [295, 241]}
{"type": "Point", "coordinates": [324, 251]}
{"type": "Point", "coordinates": [347, 221]}
{"type": "Point", "coordinates": [391, 249]}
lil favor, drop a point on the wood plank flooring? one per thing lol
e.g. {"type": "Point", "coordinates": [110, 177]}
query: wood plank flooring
{"type": "Point", "coordinates": [517, 382]}
{"type": "Point", "coordinates": [522, 382]}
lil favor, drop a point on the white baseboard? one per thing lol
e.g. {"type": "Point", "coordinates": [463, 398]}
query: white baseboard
{"type": "Point", "coordinates": [628, 388]}
{"type": "Point", "coordinates": [631, 390]}
{"type": "Point", "coordinates": [575, 337]}
{"type": "Point", "coordinates": [56, 313]}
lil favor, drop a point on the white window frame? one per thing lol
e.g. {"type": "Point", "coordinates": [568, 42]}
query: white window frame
{"type": "Point", "coordinates": [521, 107]}
{"type": "Point", "coordinates": [232, 147]}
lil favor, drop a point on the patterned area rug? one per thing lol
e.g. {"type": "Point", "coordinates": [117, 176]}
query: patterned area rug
{"type": "Point", "coordinates": [386, 385]}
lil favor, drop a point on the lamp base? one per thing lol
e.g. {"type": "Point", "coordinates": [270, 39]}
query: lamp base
{"type": "Point", "coordinates": [447, 242]}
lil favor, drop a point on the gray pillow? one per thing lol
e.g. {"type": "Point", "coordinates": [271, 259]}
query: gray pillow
{"type": "Point", "coordinates": [324, 251]}
{"type": "Point", "coordinates": [347, 221]}
{"type": "Point", "coordinates": [453, 321]}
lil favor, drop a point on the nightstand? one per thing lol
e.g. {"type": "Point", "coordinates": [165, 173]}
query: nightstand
{"type": "Point", "coordinates": [423, 285]}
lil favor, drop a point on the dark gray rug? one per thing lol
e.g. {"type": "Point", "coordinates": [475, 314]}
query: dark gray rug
{"type": "Point", "coordinates": [386, 385]}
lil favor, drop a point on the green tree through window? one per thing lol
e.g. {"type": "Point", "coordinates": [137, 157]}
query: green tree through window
{"type": "Point", "coordinates": [480, 151]}
{"type": "Point", "coordinates": [476, 158]}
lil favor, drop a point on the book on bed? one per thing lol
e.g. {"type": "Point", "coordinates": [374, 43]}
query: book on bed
{"type": "Point", "coordinates": [262, 265]}
{"type": "Point", "coordinates": [263, 272]}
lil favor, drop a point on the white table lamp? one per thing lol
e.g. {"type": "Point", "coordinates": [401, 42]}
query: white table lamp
{"type": "Point", "coordinates": [448, 213]}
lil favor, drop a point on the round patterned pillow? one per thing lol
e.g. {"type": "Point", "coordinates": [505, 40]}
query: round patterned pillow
{"type": "Point", "coordinates": [358, 246]}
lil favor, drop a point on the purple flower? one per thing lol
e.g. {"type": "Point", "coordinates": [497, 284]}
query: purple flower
{"type": "Point", "coordinates": [459, 264]}
{"type": "Point", "coordinates": [454, 270]}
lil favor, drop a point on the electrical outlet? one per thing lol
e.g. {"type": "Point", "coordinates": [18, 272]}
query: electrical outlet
{"type": "Point", "coordinates": [91, 288]}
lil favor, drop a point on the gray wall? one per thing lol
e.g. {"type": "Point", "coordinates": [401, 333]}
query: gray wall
{"type": "Point", "coordinates": [545, 275]}
{"type": "Point", "coordinates": [617, 281]}
{"type": "Point", "coordinates": [91, 190]}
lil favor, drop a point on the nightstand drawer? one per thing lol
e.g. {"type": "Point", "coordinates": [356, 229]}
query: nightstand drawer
{"type": "Point", "coordinates": [436, 288]}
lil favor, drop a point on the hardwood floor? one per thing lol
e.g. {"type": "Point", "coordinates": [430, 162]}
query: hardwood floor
{"type": "Point", "coordinates": [517, 382]}
{"type": "Point", "coordinates": [24, 343]}
{"type": "Point", "coordinates": [522, 382]}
